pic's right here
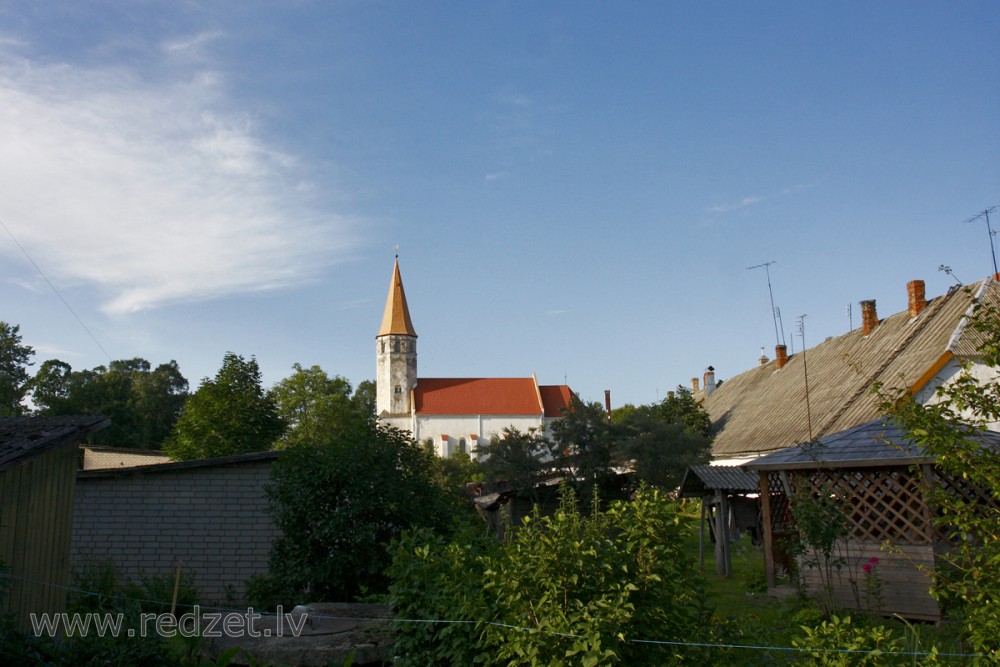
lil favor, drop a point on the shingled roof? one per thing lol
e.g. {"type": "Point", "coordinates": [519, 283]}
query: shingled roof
{"type": "Point", "coordinates": [878, 442]}
{"type": "Point", "coordinates": [23, 438]}
{"type": "Point", "coordinates": [764, 409]}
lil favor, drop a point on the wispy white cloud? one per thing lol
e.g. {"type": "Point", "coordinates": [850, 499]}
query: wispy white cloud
{"type": "Point", "coordinates": [557, 312]}
{"type": "Point", "coordinates": [743, 203]}
{"type": "Point", "coordinates": [153, 192]}
{"type": "Point", "coordinates": [495, 176]}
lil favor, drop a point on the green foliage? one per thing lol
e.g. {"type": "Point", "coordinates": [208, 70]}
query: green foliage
{"type": "Point", "coordinates": [566, 589]}
{"type": "Point", "coordinates": [143, 403]}
{"type": "Point", "coordinates": [967, 580]}
{"type": "Point", "coordinates": [839, 643]}
{"type": "Point", "coordinates": [659, 441]}
{"type": "Point", "coordinates": [515, 458]}
{"type": "Point", "coordinates": [228, 415]}
{"type": "Point", "coordinates": [340, 502]}
{"type": "Point", "coordinates": [15, 357]}
{"type": "Point", "coordinates": [313, 404]}
{"type": "Point", "coordinates": [821, 524]}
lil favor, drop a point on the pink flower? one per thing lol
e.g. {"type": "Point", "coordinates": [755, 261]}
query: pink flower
{"type": "Point", "coordinates": [874, 559]}
{"type": "Point", "coordinates": [867, 567]}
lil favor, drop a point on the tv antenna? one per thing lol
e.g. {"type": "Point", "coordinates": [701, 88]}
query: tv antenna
{"type": "Point", "coordinates": [805, 372]}
{"type": "Point", "coordinates": [985, 213]}
{"type": "Point", "coordinates": [779, 339]}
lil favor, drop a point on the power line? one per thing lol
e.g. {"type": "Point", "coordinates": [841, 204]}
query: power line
{"type": "Point", "coordinates": [56, 291]}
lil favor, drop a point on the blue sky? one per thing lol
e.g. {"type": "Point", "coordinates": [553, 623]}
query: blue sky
{"type": "Point", "coordinates": [576, 188]}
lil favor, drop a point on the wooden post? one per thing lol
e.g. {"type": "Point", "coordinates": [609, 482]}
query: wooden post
{"type": "Point", "coordinates": [177, 587]}
{"type": "Point", "coordinates": [720, 535]}
{"type": "Point", "coordinates": [701, 535]}
{"type": "Point", "coordinates": [726, 551]}
{"type": "Point", "coordinates": [765, 510]}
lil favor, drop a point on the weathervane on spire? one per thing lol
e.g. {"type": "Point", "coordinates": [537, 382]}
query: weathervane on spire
{"type": "Point", "coordinates": [395, 249]}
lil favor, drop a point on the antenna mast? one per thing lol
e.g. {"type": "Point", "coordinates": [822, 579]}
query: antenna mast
{"type": "Point", "coordinates": [779, 339]}
{"type": "Point", "coordinates": [805, 372]}
{"type": "Point", "coordinates": [989, 230]}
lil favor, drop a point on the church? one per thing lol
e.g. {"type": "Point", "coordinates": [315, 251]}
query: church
{"type": "Point", "coordinates": [454, 414]}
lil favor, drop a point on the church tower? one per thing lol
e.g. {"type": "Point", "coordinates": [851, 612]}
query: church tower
{"type": "Point", "coordinates": [395, 354]}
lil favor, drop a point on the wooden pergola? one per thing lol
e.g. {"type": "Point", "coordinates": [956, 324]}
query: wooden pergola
{"type": "Point", "coordinates": [718, 487]}
{"type": "Point", "coordinates": [880, 476]}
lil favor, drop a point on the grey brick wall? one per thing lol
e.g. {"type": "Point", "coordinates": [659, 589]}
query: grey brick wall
{"type": "Point", "coordinates": [215, 519]}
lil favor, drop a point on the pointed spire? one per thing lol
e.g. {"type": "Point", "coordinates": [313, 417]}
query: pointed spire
{"type": "Point", "coordinates": [396, 319]}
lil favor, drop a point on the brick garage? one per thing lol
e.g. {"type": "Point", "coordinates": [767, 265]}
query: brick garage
{"type": "Point", "coordinates": [212, 514]}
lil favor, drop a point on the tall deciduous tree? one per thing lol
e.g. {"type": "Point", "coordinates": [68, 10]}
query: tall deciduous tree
{"type": "Point", "coordinates": [515, 458]}
{"type": "Point", "coordinates": [15, 357]}
{"type": "Point", "coordinates": [143, 403]}
{"type": "Point", "coordinates": [339, 503]}
{"type": "Point", "coordinates": [312, 404]}
{"type": "Point", "coordinates": [229, 414]}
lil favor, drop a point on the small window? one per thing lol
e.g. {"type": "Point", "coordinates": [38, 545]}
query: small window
{"type": "Point", "coordinates": [398, 389]}
{"type": "Point", "coordinates": [383, 345]}
{"type": "Point", "coordinates": [461, 446]}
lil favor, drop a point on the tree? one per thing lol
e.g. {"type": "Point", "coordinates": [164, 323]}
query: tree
{"type": "Point", "coordinates": [660, 450]}
{"type": "Point", "coordinates": [515, 458]}
{"type": "Point", "coordinates": [967, 583]}
{"type": "Point", "coordinates": [364, 398]}
{"type": "Point", "coordinates": [15, 357]}
{"type": "Point", "coordinates": [680, 407]}
{"type": "Point", "coordinates": [230, 414]}
{"type": "Point", "coordinates": [313, 404]}
{"type": "Point", "coordinates": [583, 442]}
{"type": "Point", "coordinates": [340, 502]}
{"type": "Point", "coordinates": [143, 403]}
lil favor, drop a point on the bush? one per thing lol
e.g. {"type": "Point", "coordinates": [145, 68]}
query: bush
{"type": "Point", "coordinates": [566, 589]}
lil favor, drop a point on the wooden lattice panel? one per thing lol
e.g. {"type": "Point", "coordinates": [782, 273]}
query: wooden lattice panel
{"type": "Point", "coordinates": [983, 501]}
{"type": "Point", "coordinates": [880, 503]}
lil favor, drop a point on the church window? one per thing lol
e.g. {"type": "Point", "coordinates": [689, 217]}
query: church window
{"type": "Point", "coordinates": [461, 446]}
{"type": "Point", "coordinates": [395, 346]}
{"type": "Point", "coordinates": [398, 389]}
{"type": "Point", "coordinates": [383, 345]}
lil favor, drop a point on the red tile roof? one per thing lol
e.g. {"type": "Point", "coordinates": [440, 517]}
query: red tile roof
{"type": "Point", "coordinates": [487, 396]}
{"type": "Point", "coordinates": [555, 398]}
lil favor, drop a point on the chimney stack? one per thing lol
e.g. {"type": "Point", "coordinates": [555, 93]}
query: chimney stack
{"type": "Point", "coordinates": [915, 294]}
{"type": "Point", "coordinates": [694, 385]}
{"type": "Point", "coordinates": [709, 379]}
{"type": "Point", "coordinates": [763, 358]}
{"type": "Point", "coordinates": [869, 318]}
{"type": "Point", "coordinates": [607, 403]}
{"type": "Point", "coordinates": [781, 355]}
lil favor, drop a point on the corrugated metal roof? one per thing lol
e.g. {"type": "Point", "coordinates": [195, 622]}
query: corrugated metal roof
{"type": "Point", "coordinates": [699, 480]}
{"type": "Point", "coordinates": [22, 438]}
{"type": "Point", "coordinates": [764, 409]}
{"type": "Point", "coordinates": [878, 442]}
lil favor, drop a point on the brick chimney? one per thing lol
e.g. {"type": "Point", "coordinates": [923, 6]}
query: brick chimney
{"type": "Point", "coordinates": [915, 294]}
{"type": "Point", "coordinates": [869, 318]}
{"type": "Point", "coordinates": [709, 379]}
{"type": "Point", "coordinates": [694, 385]}
{"type": "Point", "coordinates": [781, 355]}
{"type": "Point", "coordinates": [763, 358]}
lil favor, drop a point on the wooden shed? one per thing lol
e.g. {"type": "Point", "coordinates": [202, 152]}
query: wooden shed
{"type": "Point", "coordinates": [39, 458]}
{"type": "Point", "coordinates": [729, 504]}
{"type": "Point", "coordinates": [879, 474]}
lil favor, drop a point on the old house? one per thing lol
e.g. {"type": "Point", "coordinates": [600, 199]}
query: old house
{"type": "Point", "coordinates": [39, 458]}
{"type": "Point", "coordinates": [828, 388]}
{"type": "Point", "coordinates": [455, 414]}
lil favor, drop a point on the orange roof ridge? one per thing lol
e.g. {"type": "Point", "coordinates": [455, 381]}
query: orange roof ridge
{"type": "Point", "coordinates": [396, 319]}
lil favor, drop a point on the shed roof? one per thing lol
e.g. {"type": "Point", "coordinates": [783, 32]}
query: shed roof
{"type": "Point", "coordinates": [880, 442]}
{"type": "Point", "coordinates": [764, 408]}
{"type": "Point", "coordinates": [23, 438]}
{"type": "Point", "coordinates": [702, 479]}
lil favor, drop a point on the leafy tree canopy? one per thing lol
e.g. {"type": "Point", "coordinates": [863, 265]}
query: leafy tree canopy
{"type": "Point", "coordinates": [15, 358]}
{"type": "Point", "coordinates": [229, 414]}
{"type": "Point", "coordinates": [515, 458]}
{"type": "Point", "coordinates": [312, 404]}
{"type": "Point", "coordinates": [340, 501]}
{"type": "Point", "coordinates": [142, 402]}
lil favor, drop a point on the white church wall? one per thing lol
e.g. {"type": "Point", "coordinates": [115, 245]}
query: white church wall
{"type": "Point", "coordinates": [459, 427]}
